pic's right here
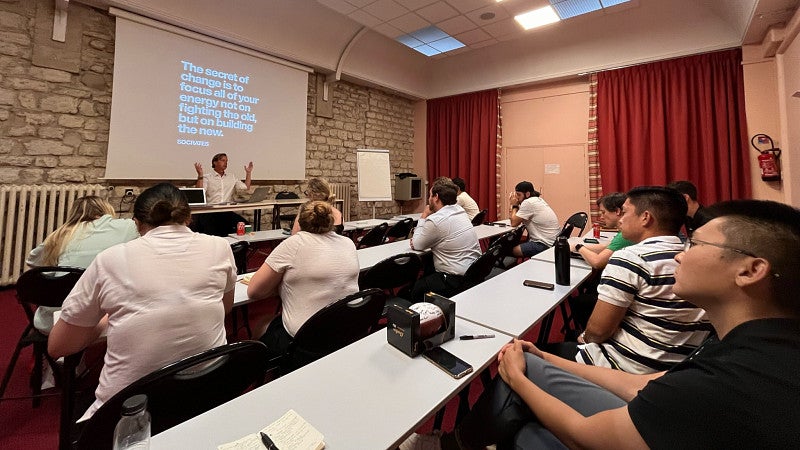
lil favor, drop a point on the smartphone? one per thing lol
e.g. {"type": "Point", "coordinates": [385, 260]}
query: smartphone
{"type": "Point", "coordinates": [539, 284]}
{"type": "Point", "coordinates": [448, 362]}
{"type": "Point", "coordinates": [287, 231]}
{"type": "Point", "coordinates": [591, 241]}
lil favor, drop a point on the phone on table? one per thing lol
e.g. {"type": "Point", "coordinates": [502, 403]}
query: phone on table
{"type": "Point", "coordinates": [591, 241]}
{"type": "Point", "coordinates": [287, 231]}
{"type": "Point", "coordinates": [538, 284]}
{"type": "Point", "coordinates": [448, 362]}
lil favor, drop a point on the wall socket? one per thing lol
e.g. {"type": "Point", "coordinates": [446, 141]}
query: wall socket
{"type": "Point", "coordinates": [128, 192]}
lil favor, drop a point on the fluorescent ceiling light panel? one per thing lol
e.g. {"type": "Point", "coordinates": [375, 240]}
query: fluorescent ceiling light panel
{"type": "Point", "coordinates": [537, 18]}
{"type": "Point", "coordinates": [610, 3]}
{"type": "Point", "coordinates": [430, 41]}
{"type": "Point", "coordinates": [572, 8]}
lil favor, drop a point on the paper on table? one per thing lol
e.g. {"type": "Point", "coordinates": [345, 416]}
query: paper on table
{"type": "Point", "coordinates": [247, 277]}
{"type": "Point", "coordinates": [290, 432]}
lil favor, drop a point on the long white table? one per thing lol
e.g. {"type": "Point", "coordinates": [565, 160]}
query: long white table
{"type": "Point", "coordinates": [368, 395]}
{"type": "Point", "coordinates": [256, 207]}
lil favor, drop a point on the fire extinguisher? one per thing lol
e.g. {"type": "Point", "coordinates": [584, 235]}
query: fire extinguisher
{"type": "Point", "coordinates": [767, 159]}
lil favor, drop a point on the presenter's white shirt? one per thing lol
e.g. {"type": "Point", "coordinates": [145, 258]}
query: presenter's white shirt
{"type": "Point", "coordinates": [219, 188]}
{"type": "Point", "coordinates": [451, 237]}
{"type": "Point", "coordinates": [163, 296]}
{"type": "Point", "coordinates": [465, 201]}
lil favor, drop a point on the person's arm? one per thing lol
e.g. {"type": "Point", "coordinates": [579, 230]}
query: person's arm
{"type": "Point", "coordinates": [66, 339]}
{"type": "Point", "coordinates": [425, 234]}
{"type": "Point", "coordinates": [264, 282]}
{"type": "Point", "coordinates": [199, 168]}
{"type": "Point", "coordinates": [36, 256]}
{"type": "Point", "coordinates": [598, 260]}
{"type": "Point", "coordinates": [608, 429]}
{"type": "Point", "coordinates": [603, 322]}
{"type": "Point", "coordinates": [248, 179]}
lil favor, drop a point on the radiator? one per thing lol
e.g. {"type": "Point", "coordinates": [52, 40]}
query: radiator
{"type": "Point", "coordinates": [342, 191]}
{"type": "Point", "coordinates": [27, 215]}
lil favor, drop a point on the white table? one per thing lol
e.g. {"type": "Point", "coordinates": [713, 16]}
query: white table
{"type": "Point", "coordinates": [368, 395]}
{"type": "Point", "coordinates": [503, 304]}
{"type": "Point", "coordinates": [366, 224]}
{"type": "Point", "coordinates": [368, 257]}
{"type": "Point", "coordinates": [256, 207]}
{"type": "Point", "coordinates": [260, 236]}
{"type": "Point", "coordinates": [489, 231]}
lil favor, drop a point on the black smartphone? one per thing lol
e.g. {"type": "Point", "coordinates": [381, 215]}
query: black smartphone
{"type": "Point", "coordinates": [591, 241]}
{"type": "Point", "coordinates": [448, 362]}
{"type": "Point", "coordinates": [538, 284]}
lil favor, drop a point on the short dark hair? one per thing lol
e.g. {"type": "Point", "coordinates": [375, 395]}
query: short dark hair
{"type": "Point", "coordinates": [460, 183]}
{"type": "Point", "coordinates": [162, 204]}
{"type": "Point", "coordinates": [217, 157]}
{"type": "Point", "coordinates": [526, 186]}
{"type": "Point", "coordinates": [685, 187]}
{"type": "Point", "coordinates": [612, 201]}
{"type": "Point", "coordinates": [446, 191]}
{"type": "Point", "coordinates": [769, 230]}
{"type": "Point", "coordinates": [666, 205]}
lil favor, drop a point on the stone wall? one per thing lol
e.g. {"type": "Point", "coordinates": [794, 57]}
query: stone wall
{"type": "Point", "coordinates": [54, 122]}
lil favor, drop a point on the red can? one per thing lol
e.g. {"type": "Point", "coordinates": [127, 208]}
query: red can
{"type": "Point", "coordinates": [240, 228]}
{"type": "Point", "coordinates": [596, 230]}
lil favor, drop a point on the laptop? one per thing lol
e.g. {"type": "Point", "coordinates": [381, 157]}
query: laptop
{"type": "Point", "coordinates": [195, 196]}
{"type": "Point", "coordinates": [259, 195]}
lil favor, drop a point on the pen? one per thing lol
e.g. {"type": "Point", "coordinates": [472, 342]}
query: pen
{"type": "Point", "coordinates": [268, 442]}
{"type": "Point", "coordinates": [467, 337]}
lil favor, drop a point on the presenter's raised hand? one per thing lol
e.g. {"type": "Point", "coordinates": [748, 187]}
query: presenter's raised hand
{"type": "Point", "coordinates": [248, 168]}
{"type": "Point", "coordinates": [199, 168]}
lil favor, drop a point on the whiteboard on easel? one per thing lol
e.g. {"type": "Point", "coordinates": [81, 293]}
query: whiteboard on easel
{"type": "Point", "coordinates": [374, 178]}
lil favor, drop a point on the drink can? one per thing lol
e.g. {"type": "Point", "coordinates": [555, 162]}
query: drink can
{"type": "Point", "coordinates": [596, 230]}
{"type": "Point", "coordinates": [240, 228]}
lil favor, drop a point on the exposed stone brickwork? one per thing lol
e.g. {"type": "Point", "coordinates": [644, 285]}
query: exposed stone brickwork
{"type": "Point", "coordinates": [54, 124]}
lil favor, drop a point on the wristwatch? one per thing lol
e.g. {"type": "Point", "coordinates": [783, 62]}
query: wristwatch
{"type": "Point", "coordinates": [578, 247]}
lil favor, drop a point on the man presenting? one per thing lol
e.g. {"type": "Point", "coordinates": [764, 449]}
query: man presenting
{"type": "Point", "coordinates": [220, 187]}
{"type": "Point", "coordinates": [528, 207]}
{"type": "Point", "coordinates": [738, 390]}
{"type": "Point", "coordinates": [444, 228]}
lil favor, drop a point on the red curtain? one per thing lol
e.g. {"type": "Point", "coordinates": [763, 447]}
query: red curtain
{"type": "Point", "coordinates": [682, 119]}
{"type": "Point", "coordinates": [462, 142]}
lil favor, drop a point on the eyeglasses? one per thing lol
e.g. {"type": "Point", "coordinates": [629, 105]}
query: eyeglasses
{"type": "Point", "coordinates": [692, 242]}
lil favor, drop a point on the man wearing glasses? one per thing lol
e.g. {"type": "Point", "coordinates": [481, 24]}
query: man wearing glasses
{"type": "Point", "coordinates": [639, 325]}
{"type": "Point", "coordinates": [739, 389]}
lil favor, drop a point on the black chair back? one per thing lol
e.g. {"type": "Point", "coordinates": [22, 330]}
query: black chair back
{"type": "Point", "coordinates": [374, 236]}
{"type": "Point", "coordinates": [333, 327]}
{"type": "Point", "coordinates": [482, 267]}
{"type": "Point", "coordinates": [239, 250]}
{"type": "Point", "coordinates": [285, 195]}
{"type": "Point", "coordinates": [479, 218]}
{"type": "Point", "coordinates": [577, 220]}
{"type": "Point", "coordinates": [184, 389]}
{"type": "Point", "coordinates": [400, 230]}
{"type": "Point", "coordinates": [394, 272]}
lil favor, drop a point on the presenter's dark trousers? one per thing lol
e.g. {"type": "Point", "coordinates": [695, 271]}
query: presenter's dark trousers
{"type": "Point", "coordinates": [216, 224]}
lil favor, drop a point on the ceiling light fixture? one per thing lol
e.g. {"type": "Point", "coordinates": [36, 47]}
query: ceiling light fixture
{"type": "Point", "coordinates": [537, 18]}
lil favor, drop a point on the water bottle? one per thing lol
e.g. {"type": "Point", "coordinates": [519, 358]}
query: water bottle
{"type": "Point", "coordinates": [562, 261]}
{"type": "Point", "coordinates": [133, 428]}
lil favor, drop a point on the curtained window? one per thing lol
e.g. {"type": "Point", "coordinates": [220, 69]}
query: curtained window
{"type": "Point", "coordinates": [682, 119]}
{"type": "Point", "coordinates": [462, 142]}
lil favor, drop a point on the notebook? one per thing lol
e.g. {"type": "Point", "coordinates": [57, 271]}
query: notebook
{"type": "Point", "coordinates": [195, 196]}
{"type": "Point", "coordinates": [259, 195]}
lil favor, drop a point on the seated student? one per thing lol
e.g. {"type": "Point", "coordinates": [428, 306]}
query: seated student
{"type": "Point", "coordinates": [528, 207]}
{"type": "Point", "coordinates": [695, 213]}
{"type": "Point", "coordinates": [319, 189]}
{"type": "Point", "coordinates": [464, 200]}
{"type": "Point", "coordinates": [444, 228]}
{"type": "Point", "coordinates": [310, 270]}
{"type": "Point", "coordinates": [89, 229]}
{"type": "Point", "coordinates": [220, 186]}
{"type": "Point", "coordinates": [639, 325]}
{"type": "Point", "coordinates": [597, 255]}
{"type": "Point", "coordinates": [160, 298]}
{"type": "Point", "coordinates": [738, 390]}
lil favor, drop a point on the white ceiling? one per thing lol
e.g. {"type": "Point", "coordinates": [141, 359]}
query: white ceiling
{"type": "Point", "coordinates": [352, 39]}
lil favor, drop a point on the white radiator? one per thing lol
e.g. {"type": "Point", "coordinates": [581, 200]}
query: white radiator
{"type": "Point", "coordinates": [342, 191]}
{"type": "Point", "coordinates": [28, 213]}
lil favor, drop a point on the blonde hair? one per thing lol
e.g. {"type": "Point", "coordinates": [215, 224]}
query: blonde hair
{"type": "Point", "coordinates": [316, 217]}
{"type": "Point", "coordinates": [319, 189]}
{"type": "Point", "coordinates": [84, 211]}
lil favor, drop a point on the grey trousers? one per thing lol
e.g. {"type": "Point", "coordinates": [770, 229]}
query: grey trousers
{"type": "Point", "coordinates": [501, 417]}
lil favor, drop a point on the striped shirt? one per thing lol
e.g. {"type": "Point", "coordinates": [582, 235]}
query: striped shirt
{"type": "Point", "coordinates": [659, 329]}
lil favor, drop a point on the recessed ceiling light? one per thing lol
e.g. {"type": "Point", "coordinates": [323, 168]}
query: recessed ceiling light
{"type": "Point", "coordinates": [430, 41]}
{"type": "Point", "coordinates": [487, 16]}
{"type": "Point", "coordinates": [537, 18]}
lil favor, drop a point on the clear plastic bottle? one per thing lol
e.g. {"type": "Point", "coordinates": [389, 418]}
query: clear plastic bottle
{"type": "Point", "coordinates": [133, 428]}
{"type": "Point", "coordinates": [562, 261]}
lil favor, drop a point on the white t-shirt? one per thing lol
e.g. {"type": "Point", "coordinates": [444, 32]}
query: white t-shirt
{"type": "Point", "coordinates": [451, 237]}
{"type": "Point", "coordinates": [465, 201]}
{"type": "Point", "coordinates": [317, 269]}
{"type": "Point", "coordinates": [219, 188]}
{"type": "Point", "coordinates": [163, 296]}
{"type": "Point", "coordinates": [540, 220]}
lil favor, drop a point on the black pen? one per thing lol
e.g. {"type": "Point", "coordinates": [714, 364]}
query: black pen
{"type": "Point", "coordinates": [268, 442]}
{"type": "Point", "coordinates": [467, 337]}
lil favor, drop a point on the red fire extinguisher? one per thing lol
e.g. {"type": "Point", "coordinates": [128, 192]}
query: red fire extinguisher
{"type": "Point", "coordinates": [767, 159]}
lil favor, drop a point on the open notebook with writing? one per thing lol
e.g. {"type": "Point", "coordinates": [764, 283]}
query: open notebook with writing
{"type": "Point", "coordinates": [290, 432]}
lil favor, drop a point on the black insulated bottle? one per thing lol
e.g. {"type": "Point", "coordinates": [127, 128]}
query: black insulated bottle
{"type": "Point", "coordinates": [562, 261]}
